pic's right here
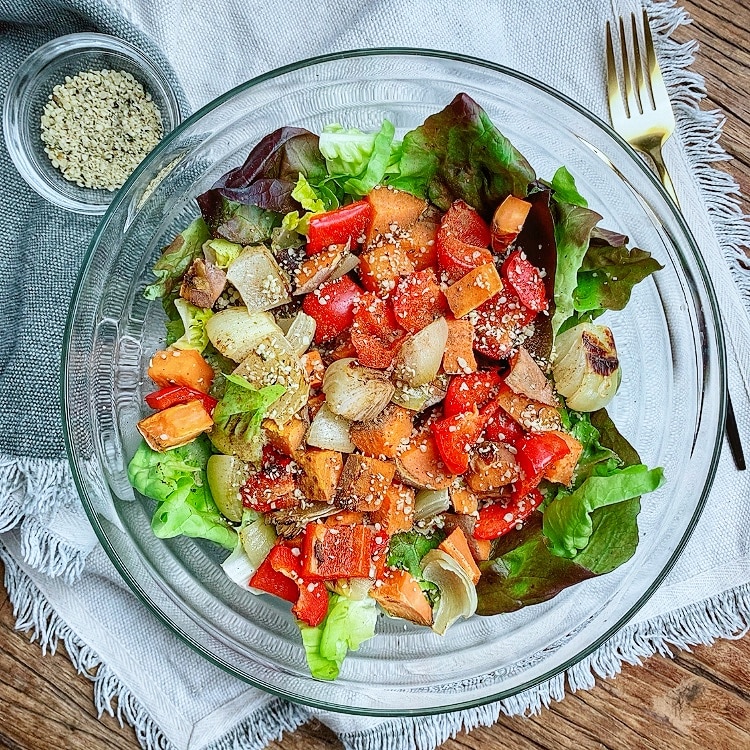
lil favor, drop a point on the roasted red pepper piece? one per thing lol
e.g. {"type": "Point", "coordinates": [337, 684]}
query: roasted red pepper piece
{"type": "Point", "coordinates": [332, 306]}
{"type": "Point", "coordinates": [462, 241]}
{"type": "Point", "coordinates": [272, 582]}
{"type": "Point", "coordinates": [454, 436]}
{"type": "Point", "coordinates": [535, 452]}
{"type": "Point", "coordinates": [340, 551]}
{"type": "Point", "coordinates": [179, 394]}
{"type": "Point", "coordinates": [524, 278]}
{"type": "Point", "coordinates": [496, 520]}
{"type": "Point", "coordinates": [338, 227]}
{"type": "Point", "coordinates": [467, 391]}
{"type": "Point", "coordinates": [499, 321]}
{"type": "Point", "coordinates": [375, 334]}
{"type": "Point", "coordinates": [500, 426]}
{"type": "Point", "coordinates": [417, 300]}
{"type": "Point", "coordinates": [312, 601]}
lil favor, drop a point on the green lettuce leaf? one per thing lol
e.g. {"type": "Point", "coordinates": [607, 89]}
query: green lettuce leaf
{"type": "Point", "coordinates": [194, 321]}
{"type": "Point", "coordinates": [573, 225]}
{"type": "Point", "coordinates": [347, 625]}
{"type": "Point", "coordinates": [177, 481]}
{"type": "Point", "coordinates": [241, 398]}
{"type": "Point", "coordinates": [308, 197]}
{"type": "Point", "coordinates": [222, 253]}
{"type": "Point", "coordinates": [564, 185]}
{"type": "Point", "coordinates": [176, 259]}
{"type": "Point", "coordinates": [459, 153]}
{"type": "Point", "coordinates": [608, 275]}
{"type": "Point", "coordinates": [241, 223]}
{"type": "Point", "coordinates": [407, 549]}
{"type": "Point", "coordinates": [568, 525]}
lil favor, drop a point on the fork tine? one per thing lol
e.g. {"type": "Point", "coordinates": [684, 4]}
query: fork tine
{"type": "Point", "coordinates": [616, 105]}
{"type": "Point", "coordinates": [642, 82]}
{"type": "Point", "coordinates": [630, 96]}
{"type": "Point", "coordinates": [658, 88]}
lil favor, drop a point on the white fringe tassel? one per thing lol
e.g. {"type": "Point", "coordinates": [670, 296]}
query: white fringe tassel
{"type": "Point", "coordinates": [33, 489]}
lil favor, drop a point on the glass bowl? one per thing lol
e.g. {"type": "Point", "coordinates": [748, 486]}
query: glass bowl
{"type": "Point", "coordinates": [28, 93]}
{"type": "Point", "coordinates": [670, 405]}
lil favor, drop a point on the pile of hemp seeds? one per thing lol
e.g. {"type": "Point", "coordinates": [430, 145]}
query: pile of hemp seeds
{"type": "Point", "coordinates": [98, 126]}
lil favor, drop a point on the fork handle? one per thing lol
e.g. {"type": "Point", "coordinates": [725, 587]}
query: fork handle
{"type": "Point", "coordinates": [661, 168]}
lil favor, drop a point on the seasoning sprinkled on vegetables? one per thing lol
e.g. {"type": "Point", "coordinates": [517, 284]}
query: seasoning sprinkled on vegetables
{"type": "Point", "coordinates": [98, 126]}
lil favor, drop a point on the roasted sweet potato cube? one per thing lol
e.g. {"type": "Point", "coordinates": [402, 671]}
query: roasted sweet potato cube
{"type": "Point", "coordinates": [381, 267]}
{"type": "Point", "coordinates": [321, 470]}
{"type": "Point", "coordinates": [530, 414]}
{"type": "Point", "coordinates": [287, 439]}
{"type": "Point", "coordinates": [420, 244]}
{"type": "Point", "coordinates": [473, 289]}
{"type": "Point", "coordinates": [492, 468]}
{"type": "Point", "coordinates": [458, 357]}
{"type": "Point", "coordinates": [457, 546]}
{"type": "Point", "coordinates": [396, 512]}
{"type": "Point", "coordinates": [394, 212]}
{"type": "Point", "coordinates": [481, 549]}
{"type": "Point", "coordinates": [181, 367]}
{"type": "Point", "coordinates": [364, 482]}
{"type": "Point", "coordinates": [562, 470]}
{"type": "Point", "coordinates": [464, 501]}
{"type": "Point", "coordinates": [400, 595]}
{"type": "Point", "coordinates": [312, 362]}
{"type": "Point", "coordinates": [383, 435]}
{"type": "Point", "coordinates": [526, 378]}
{"type": "Point", "coordinates": [175, 426]}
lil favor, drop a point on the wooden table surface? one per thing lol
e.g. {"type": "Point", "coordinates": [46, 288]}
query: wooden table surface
{"type": "Point", "coordinates": [696, 700]}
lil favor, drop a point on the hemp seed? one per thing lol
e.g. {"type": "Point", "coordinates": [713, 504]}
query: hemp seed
{"type": "Point", "coordinates": [98, 126]}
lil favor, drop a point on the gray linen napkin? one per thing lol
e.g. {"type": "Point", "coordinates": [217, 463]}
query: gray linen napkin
{"type": "Point", "coordinates": [181, 701]}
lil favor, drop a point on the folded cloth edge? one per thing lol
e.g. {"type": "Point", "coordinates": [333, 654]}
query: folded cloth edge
{"type": "Point", "coordinates": [26, 485]}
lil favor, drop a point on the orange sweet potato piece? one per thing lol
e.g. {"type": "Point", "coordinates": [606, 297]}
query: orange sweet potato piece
{"type": "Point", "coordinates": [181, 367]}
{"type": "Point", "coordinates": [562, 470]}
{"type": "Point", "coordinates": [530, 414]}
{"type": "Point", "coordinates": [317, 268]}
{"type": "Point", "coordinates": [457, 546]}
{"type": "Point", "coordinates": [394, 212]}
{"type": "Point", "coordinates": [313, 365]}
{"type": "Point", "coordinates": [473, 289]}
{"type": "Point", "coordinates": [381, 267]}
{"type": "Point", "coordinates": [287, 439]}
{"type": "Point", "coordinates": [481, 549]}
{"type": "Point", "coordinates": [420, 244]}
{"type": "Point", "coordinates": [526, 377]}
{"type": "Point", "coordinates": [464, 501]}
{"type": "Point", "coordinates": [396, 512]}
{"type": "Point", "coordinates": [383, 435]}
{"type": "Point", "coordinates": [508, 221]}
{"type": "Point", "coordinates": [346, 518]}
{"type": "Point", "coordinates": [458, 357]}
{"type": "Point", "coordinates": [399, 594]}
{"type": "Point", "coordinates": [420, 465]}
{"type": "Point", "coordinates": [363, 482]}
{"type": "Point", "coordinates": [175, 426]}
{"type": "Point", "coordinates": [492, 468]}
{"type": "Point", "coordinates": [321, 470]}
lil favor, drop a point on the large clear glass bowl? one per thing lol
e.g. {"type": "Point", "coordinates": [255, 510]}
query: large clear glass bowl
{"type": "Point", "coordinates": [670, 406]}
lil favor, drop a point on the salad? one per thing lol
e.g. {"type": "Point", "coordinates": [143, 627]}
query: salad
{"type": "Point", "coordinates": [383, 385]}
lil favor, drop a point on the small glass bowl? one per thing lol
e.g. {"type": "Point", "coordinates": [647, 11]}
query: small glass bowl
{"type": "Point", "coordinates": [28, 94]}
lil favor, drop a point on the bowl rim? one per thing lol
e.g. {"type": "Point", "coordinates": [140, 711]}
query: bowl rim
{"type": "Point", "coordinates": [51, 52]}
{"type": "Point", "coordinates": [701, 270]}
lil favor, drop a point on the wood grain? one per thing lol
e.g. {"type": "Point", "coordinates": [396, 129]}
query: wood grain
{"type": "Point", "coordinates": [700, 699]}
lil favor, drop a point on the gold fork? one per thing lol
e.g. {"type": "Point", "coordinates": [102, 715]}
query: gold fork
{"type": "Point", "coordinates": [642, 115]}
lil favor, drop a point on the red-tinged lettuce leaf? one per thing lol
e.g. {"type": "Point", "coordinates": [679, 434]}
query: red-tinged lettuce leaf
{"type": "Point", "coordinates": [459, 153]}
{"type": "Point", "coordinates": [524, 572]}
{"type": "Point", "coordinates": [269, 174]}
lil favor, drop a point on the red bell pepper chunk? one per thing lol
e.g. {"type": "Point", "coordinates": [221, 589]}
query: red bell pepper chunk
{"type": "Point", "coordinates": [496, 520]}
{"type": "Point", "coordinates": [524, 278]}
{"type": "Point", "coordinates": [467, 391]}
{"type": "Point", "coordinates": [179, 394]}
{"type": "Point", "coordinates": [535, 452]}
{"type": "Point", "coordinates": [499, 321]}
{"type": "Point", "coordinates": [454, 436]}
{"type": "Point", "coordinates": [462, 241]}
{"type": "Point", "coordinates": [332, 306]}
{"type": "Point", "coordinates": [312, 596]}
{"type": "Point", "coordinates": [500, 426]}
{"type": "Point", "coordinates": [338, 227]}
{"type": "Point", "coordinates": [417, 300]}
{"type": "Point", "coordinates": [375, 335]}
{"type": "Point", "coordinates": [272, 582]}
{"type": "Point", "coordinates": [340, 551]}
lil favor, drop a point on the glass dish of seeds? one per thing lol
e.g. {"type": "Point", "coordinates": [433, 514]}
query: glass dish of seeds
{"type": "Point", "coordinates": [81, 114]}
